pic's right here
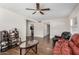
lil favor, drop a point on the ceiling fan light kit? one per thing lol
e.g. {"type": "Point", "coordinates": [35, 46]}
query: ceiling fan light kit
{"type": "Point", "coordinates": [38, 9]}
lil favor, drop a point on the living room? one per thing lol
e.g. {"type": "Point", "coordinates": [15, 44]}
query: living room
{"type": "Point", "coordinates": [37, 21]}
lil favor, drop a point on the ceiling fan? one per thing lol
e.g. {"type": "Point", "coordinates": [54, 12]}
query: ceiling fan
{"type": "Point", "coordinates": [38, 9]}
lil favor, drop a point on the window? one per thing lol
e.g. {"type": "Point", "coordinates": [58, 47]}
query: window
{"type": "Point", "coordinates": [73, 25]}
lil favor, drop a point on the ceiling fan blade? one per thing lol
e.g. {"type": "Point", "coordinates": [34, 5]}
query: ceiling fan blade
{"type": "Point", "coordinates": [37, 6]}
{"type": "Point", "coordinates": [46, 9]}
{"type": "Point", "coordinates": [34, 12]}
{"type": "Point", "coordinates": [42, 13]}
{"type": "Point", "coordinates": [29, 9]}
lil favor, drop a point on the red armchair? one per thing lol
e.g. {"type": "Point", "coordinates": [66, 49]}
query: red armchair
{"type": "Point", "coordinates": [65, 47]}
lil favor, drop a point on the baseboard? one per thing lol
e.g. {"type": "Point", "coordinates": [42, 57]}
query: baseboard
{"type": "Point", "coordinates": [28, 37]}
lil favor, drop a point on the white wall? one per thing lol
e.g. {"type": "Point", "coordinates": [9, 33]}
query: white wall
{"type": "Point", "coordinates": [45, 33]}
{"type": "Point", "coordinates": [38, 29]}
{"type": "Point", "coordinates": [9, 20]}
{"type": "Point", "coordinates": [57, 26]}
{"type": "Point", "coordinates": [75, 13]}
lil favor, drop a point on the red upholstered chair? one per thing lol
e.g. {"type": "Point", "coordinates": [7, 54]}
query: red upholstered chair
{"type": "Point", "coordinates": [75, 39]}
{"type": "Point", "coordinates": [75, 49]}
{"type": "Point", "coordinates": [62, 48]}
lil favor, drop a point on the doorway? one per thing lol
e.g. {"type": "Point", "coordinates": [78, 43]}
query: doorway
{"type": "Point", "coordinates": [29, 30]}
{"type": "Point", "coordinates": [47, 32]}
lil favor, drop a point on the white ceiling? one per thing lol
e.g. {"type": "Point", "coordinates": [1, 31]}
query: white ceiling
{"type": "Point", "coordinates": [57, 10]}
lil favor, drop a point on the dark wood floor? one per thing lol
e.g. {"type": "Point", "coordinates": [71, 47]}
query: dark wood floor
{"type": "Point", "coordinates": [44, 48]}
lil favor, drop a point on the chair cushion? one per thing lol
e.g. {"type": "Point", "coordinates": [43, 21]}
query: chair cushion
{"type": "Point", "coordinates": [74, 48]}
{"type": "Point", "coordinates": [75, 39]}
